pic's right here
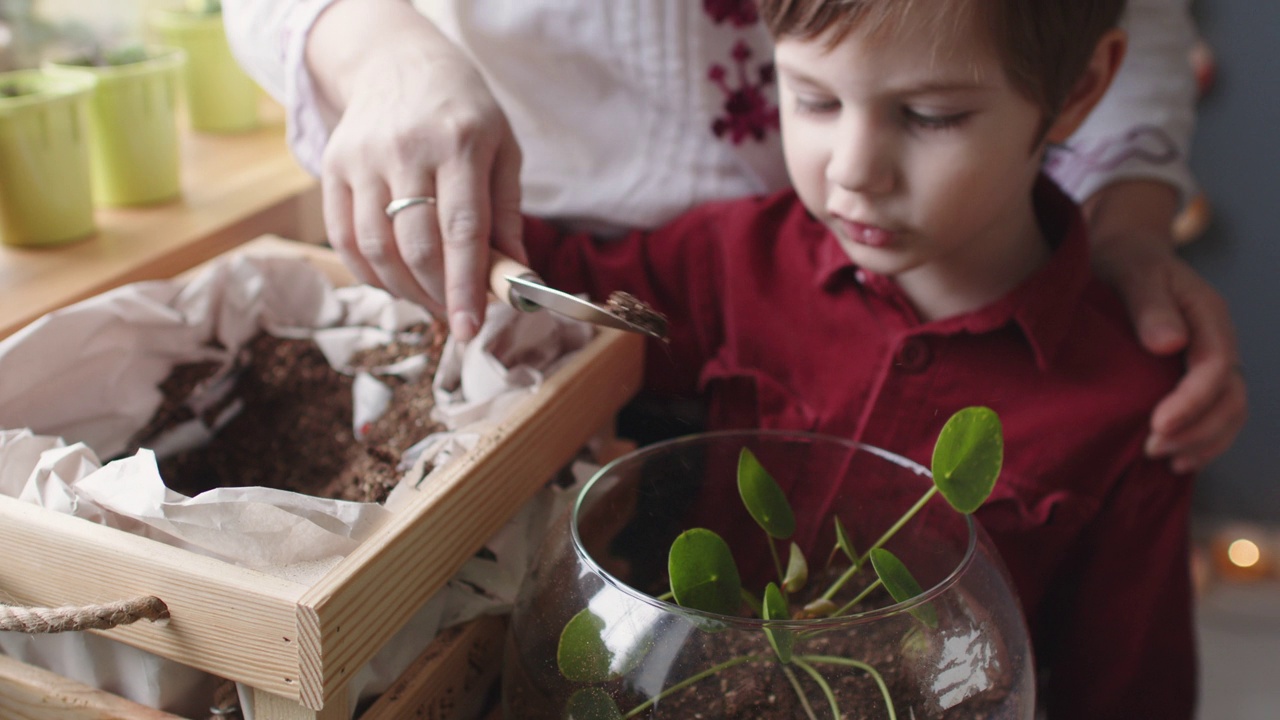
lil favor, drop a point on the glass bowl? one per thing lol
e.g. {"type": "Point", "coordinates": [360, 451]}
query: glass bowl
{"type": "Point", "coordinates": [957, 649]}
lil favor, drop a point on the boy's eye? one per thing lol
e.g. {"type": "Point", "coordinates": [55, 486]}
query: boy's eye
{"type": "Point", "coordinates": [816, 104]}
{"type": "Point", "coordinates": [933, 121]}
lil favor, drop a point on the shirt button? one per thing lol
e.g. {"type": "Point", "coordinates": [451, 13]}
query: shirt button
{"type": "Point", "coordinates": [914, 355]}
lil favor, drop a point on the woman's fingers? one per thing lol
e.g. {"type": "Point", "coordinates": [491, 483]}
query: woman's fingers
{"type": "Point", "coordinates": [1205, 431]}
{"type": "Point", "coordinates": [508, 224]}
{"type": "Point", "coordinates": [1206, 410]}
{"type": "Point", "coordinates": [376, 242]}
{"type": "Point", "coordinates": [465, 224]}
{"type": "Point", "coordinates": [338, 221]}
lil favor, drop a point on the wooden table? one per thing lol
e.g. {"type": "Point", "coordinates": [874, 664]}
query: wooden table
{"type": "Point", "coordinates": [235, 188]}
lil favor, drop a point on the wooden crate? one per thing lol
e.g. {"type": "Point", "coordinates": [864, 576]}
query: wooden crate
{"type": "Point", "coordinates": [451, 680]}
{"type": "Point", "coordinates": [298, 645]}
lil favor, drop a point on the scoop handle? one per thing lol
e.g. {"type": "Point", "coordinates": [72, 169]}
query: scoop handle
{"type": "Point", "coordinates": [502, 266]}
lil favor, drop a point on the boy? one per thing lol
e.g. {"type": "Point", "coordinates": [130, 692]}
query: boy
{"type": "Point", "coordinates": [921, 264]}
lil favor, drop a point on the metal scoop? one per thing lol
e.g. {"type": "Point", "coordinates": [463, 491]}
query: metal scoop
{"type": "Point", "coordinates": [522, 289]}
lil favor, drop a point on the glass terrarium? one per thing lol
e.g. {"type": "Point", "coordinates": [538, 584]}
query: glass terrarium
{"type": "Point", "coordinates": [596, 632]}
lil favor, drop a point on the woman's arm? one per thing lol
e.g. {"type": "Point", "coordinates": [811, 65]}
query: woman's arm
{"type": "Point", "coordinates": [1128, 166]}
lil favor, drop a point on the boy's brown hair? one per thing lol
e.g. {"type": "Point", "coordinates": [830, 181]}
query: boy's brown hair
{"type": "Point", "coordinates": [1044, 45]}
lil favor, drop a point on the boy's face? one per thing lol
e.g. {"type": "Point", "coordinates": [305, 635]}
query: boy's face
{"type": "Point", "coordinates": [913, 148]}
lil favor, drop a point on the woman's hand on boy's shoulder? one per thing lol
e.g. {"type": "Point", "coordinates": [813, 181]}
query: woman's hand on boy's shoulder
{"type": "Point", "coordinates": [1173, 309]}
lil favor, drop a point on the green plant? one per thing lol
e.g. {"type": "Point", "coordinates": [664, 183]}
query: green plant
{"type": "Point", "coordinates": [204, 7]}
{"type": "Point", "coordinates": [703, 575]}
{"type": "Point", "coordinates": [99, 57]}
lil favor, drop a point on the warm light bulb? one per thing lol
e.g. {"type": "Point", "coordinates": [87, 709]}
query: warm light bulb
{"type": "Point", "coordinates": [1243, 553]}
{"type": "Point", "coordinates": [1239, 552]}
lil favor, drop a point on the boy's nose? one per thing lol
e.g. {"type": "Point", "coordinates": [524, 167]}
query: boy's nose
{"type": "Point", "coordinates": [861, 158]}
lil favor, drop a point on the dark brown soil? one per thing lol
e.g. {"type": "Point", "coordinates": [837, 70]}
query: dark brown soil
{"type": "Point", "coordinates": [760, 690]}
{"type": "Point", "coordinates": [635, 311]}
{"type": "Point", "coordinates": [294, 431]}
{"type": "Point", "coordinates": [899, 648]}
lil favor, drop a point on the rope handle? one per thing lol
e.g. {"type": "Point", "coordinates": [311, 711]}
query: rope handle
{"type": "Point", "coordinates": [87, 617]}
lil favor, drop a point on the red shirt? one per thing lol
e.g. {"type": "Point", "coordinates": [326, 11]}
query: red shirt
{"type": "Point", "coordinates": [774, 327]}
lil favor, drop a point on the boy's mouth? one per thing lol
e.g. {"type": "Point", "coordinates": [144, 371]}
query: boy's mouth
{"type": "Point", "coordinates": [864, 234]}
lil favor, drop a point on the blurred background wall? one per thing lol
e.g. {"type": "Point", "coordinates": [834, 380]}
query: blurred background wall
{"type": "Point", "coordinates": [1236, 158]}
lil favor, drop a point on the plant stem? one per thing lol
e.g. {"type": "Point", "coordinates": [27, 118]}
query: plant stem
{"type": "Point", "coordinates": [906, 517]}
{"type": "Point", "coordinates": [836, 660]}
{"type": "Point", "coordinates": [840, 581]}
{"type": "Point", "coordinates": [861, 596]}
{"type": "Point", "coordinates": [777, 564]}
{"type": "Point", "coordinates": [795, 685]}
{"type": "Point", "coordinates": [731, 662]}
{"type": "Point", "coordinates": [847, 606]}
{"type": "Point", "coordinates": [822, 683]}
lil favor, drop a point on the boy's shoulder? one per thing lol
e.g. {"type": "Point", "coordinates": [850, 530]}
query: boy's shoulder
{"type": "Point", "coordinates": [1101, 366]}
{"type": "Point", "coordinates": [1091, 339]}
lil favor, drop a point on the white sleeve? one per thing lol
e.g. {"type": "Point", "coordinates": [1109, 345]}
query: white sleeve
{"type": "Point", "coordinates": [1142, 127]}
{"type": "Point", "coordinates": [268, 38]}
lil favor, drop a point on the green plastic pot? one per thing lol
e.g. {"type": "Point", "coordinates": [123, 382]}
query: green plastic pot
{"type": "Point", "coordinates": [133, 128]}
{"type": "Point", "coordinates": [220, 97]}
{"type": "Point", "coordinates": [45, 191]}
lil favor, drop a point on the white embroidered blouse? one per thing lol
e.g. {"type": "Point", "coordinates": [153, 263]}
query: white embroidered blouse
{"type": "Point", "coordinates": [628, 112]}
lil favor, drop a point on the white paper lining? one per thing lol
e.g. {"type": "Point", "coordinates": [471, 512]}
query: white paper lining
{"type": "Point", "coordinates": [78, 383]}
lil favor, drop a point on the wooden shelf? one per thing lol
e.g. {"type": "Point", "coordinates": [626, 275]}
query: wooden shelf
{"type": "Point", "coordinates": [235, 188]}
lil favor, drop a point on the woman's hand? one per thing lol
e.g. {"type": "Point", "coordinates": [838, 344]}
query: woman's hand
{"type": "Point", "coordinates": [417, 120]}
{"type": "Point", "coordinates": [1173, 309]}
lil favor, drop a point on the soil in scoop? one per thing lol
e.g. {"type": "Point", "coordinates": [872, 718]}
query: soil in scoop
{"type": "Point", "coordinates": [295, 429]}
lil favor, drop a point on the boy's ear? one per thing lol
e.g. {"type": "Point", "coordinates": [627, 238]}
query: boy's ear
{"type": "Point", "coordinates": [1092, 85]}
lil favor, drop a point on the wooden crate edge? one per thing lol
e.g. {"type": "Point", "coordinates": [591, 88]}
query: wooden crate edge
{"type": "Point", "coordinates": [30, 693]}
{"type": "Point", "coordinates": [451, 679]}
{"type": "Point", "coordinates": [339, 628]}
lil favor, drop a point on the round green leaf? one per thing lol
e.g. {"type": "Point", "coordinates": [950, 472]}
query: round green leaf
{"type": "Point", "coordinates": [764, 499]}
{"type": "Point", "coordinates": [591, 704]}
{"type": "Point", "coordinates": [582, 654]}
{"type": "Point", "coordinates": [967, 457]}
{"type": "Point", "coordinates": [775, 608]}
{"type": "Point", "coordinates": [703, 573]}
{"type": "Point", "coordinates": [897, 579]}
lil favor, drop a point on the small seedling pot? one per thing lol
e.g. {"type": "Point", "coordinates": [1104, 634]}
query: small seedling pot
{"type": "Point", "coordinates": [133, 128]}
{"type": "Point", "coordinates": [589, 638]}
{"type": "Point", "coordinates": [45, 190]}
{"type": "Point", "coordinates": [220, 97]}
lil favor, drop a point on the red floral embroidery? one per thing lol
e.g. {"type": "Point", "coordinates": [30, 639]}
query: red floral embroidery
{"type": "Point", "coordinates": [741, 13]}
{"type": "Point", "coordinates": [747, 110]}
